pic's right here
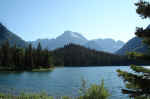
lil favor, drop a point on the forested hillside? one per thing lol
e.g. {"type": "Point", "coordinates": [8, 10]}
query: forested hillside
{"type": "Point", "coordinates": [75, 55]}
{"type": "Point", "coordinates": [15, 58]}
{"type": "Point", "coordinates": [15, 53]}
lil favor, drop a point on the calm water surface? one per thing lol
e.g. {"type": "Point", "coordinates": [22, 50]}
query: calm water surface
{"type": "Point", "coordinates": [63, 81]}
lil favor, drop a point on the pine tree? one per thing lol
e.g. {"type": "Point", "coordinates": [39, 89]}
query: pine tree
{"type": "Point", "coordinates": [29, 57]}
{"type": "Point", "coordinates": [38, 55]}
{"type": "Point", "coordinates": [46, 58]}
{"type": "Point", "coordinates": [20, 58]}
{"type": "Point", "coordinates": [6, 55]}
{"type": "Point", "coordinates": [138, 83]}
{"type": "Point", "coordinates": [14, 55]}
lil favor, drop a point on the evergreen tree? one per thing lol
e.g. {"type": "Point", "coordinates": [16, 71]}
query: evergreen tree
{"type": "Point", "coordinates": [5, 54]}
{"type": "Point", "coordinates": [15, 58]}
{"type": "Point", "coordinates": [26, 57]}
{"type": "Point", "coordinates": [14, 55]}
{"type": "Point", "coordinates": [29, 57]}
{"type": "Point", "coordinates": [38, 55]}
{"type": "Point", "coordinates": [46, 58]}
{"type": "Point", "coordinates": [138, 83]}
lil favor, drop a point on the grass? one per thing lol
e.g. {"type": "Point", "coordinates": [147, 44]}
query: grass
{"type": "Point", "coordinates": [93, 92]}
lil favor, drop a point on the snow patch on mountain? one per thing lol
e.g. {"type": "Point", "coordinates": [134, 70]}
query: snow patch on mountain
{"type": "Point", "coordinates": [108, 45]}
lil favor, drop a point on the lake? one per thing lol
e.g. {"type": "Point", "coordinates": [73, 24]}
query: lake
{"type": "Point", "coordinates": [63, 81]}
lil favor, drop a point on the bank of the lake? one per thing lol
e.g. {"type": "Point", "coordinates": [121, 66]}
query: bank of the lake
{"type": "Point", "coordinates": [8, 69]}
{"type": "Point", "coordinates": [63, 81]}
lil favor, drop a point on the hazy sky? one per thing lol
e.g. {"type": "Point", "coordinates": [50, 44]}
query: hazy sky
{"type": "Point", "coordinates": [33, 19]}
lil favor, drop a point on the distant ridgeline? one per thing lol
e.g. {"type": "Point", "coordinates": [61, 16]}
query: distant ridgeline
{"type": "Point", "coordinates": [6, 35]}
{"type": "Point", "coordinates": [76, 55]}
{"type": "Point", "coordinates": [107, 45]}
{"type": "Point", "coordinates": [16, 54]}
{"type": "Point", "coordinates": [133, 45]}
{"type": "Point", "coordinates": [29, 58]}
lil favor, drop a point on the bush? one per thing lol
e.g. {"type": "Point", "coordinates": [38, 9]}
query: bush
{"type": "Point", "coordinates": [93, 92]}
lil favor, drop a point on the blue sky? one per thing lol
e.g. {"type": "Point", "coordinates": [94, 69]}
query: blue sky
{"type": "Point", "coordinates": [33, 19]}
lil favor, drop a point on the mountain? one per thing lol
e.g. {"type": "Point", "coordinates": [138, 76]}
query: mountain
{"type": "Point", "coordinates": [6, 35]}
{"type": "Point", "coordinates": [135, 44]}
{"type": "Point", "coordinates": [93, 45]}
{"type": "Point", "coordinates": [73, 37]}
{"type": "Point", "coordinates": [108, 45]}
{"type": "Point", "coordinates": [66, 38]}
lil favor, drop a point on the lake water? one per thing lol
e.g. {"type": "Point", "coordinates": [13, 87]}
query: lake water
{"type": "Point", "coordinates": [63, 81]}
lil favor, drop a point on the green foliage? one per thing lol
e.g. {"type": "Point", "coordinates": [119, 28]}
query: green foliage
{"type": "Point", "coordinates": [142, 97]}
{"type": "Point", "coordinates": [14, 58]}
{"type": "Point", "coordinates": [139, 56]}
{"type": "Point", "coordinates": [143, 9]}
{"type": "Point", "coordinates": [83, 88]}
{"type": "Point", "coordinates": [144, 33]}
{"type": "Point", "coordinates": [138, 82]}
{"type": "Point", "coordinates": [93, 92]}
{"type": "Point", "coordinates": [96, 92]}
{"type": "Point", "coordinates": [76, 55]}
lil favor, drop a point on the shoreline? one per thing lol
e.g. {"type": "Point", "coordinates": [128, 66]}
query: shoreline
{"type": "Point", "coordinates": [26, 70]}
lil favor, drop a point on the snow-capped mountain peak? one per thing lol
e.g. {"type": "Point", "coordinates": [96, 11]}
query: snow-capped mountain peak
{"type": "Point", "coordinates": [108, 45]}
{"type": "Point", "coordinates": [70, 34]}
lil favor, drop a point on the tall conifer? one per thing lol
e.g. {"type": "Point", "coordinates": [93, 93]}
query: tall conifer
{"type": "Point", "coordinates": [138, 83]}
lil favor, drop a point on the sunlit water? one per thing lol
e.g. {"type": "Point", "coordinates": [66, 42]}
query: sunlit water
{"type": "Point", "coordinates": [63, 81]}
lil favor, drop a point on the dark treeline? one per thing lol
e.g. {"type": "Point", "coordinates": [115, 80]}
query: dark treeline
{"type": "Point", "coordinates": [14, 58]}
{"type": "Point", "coordinates": [76, 55]}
